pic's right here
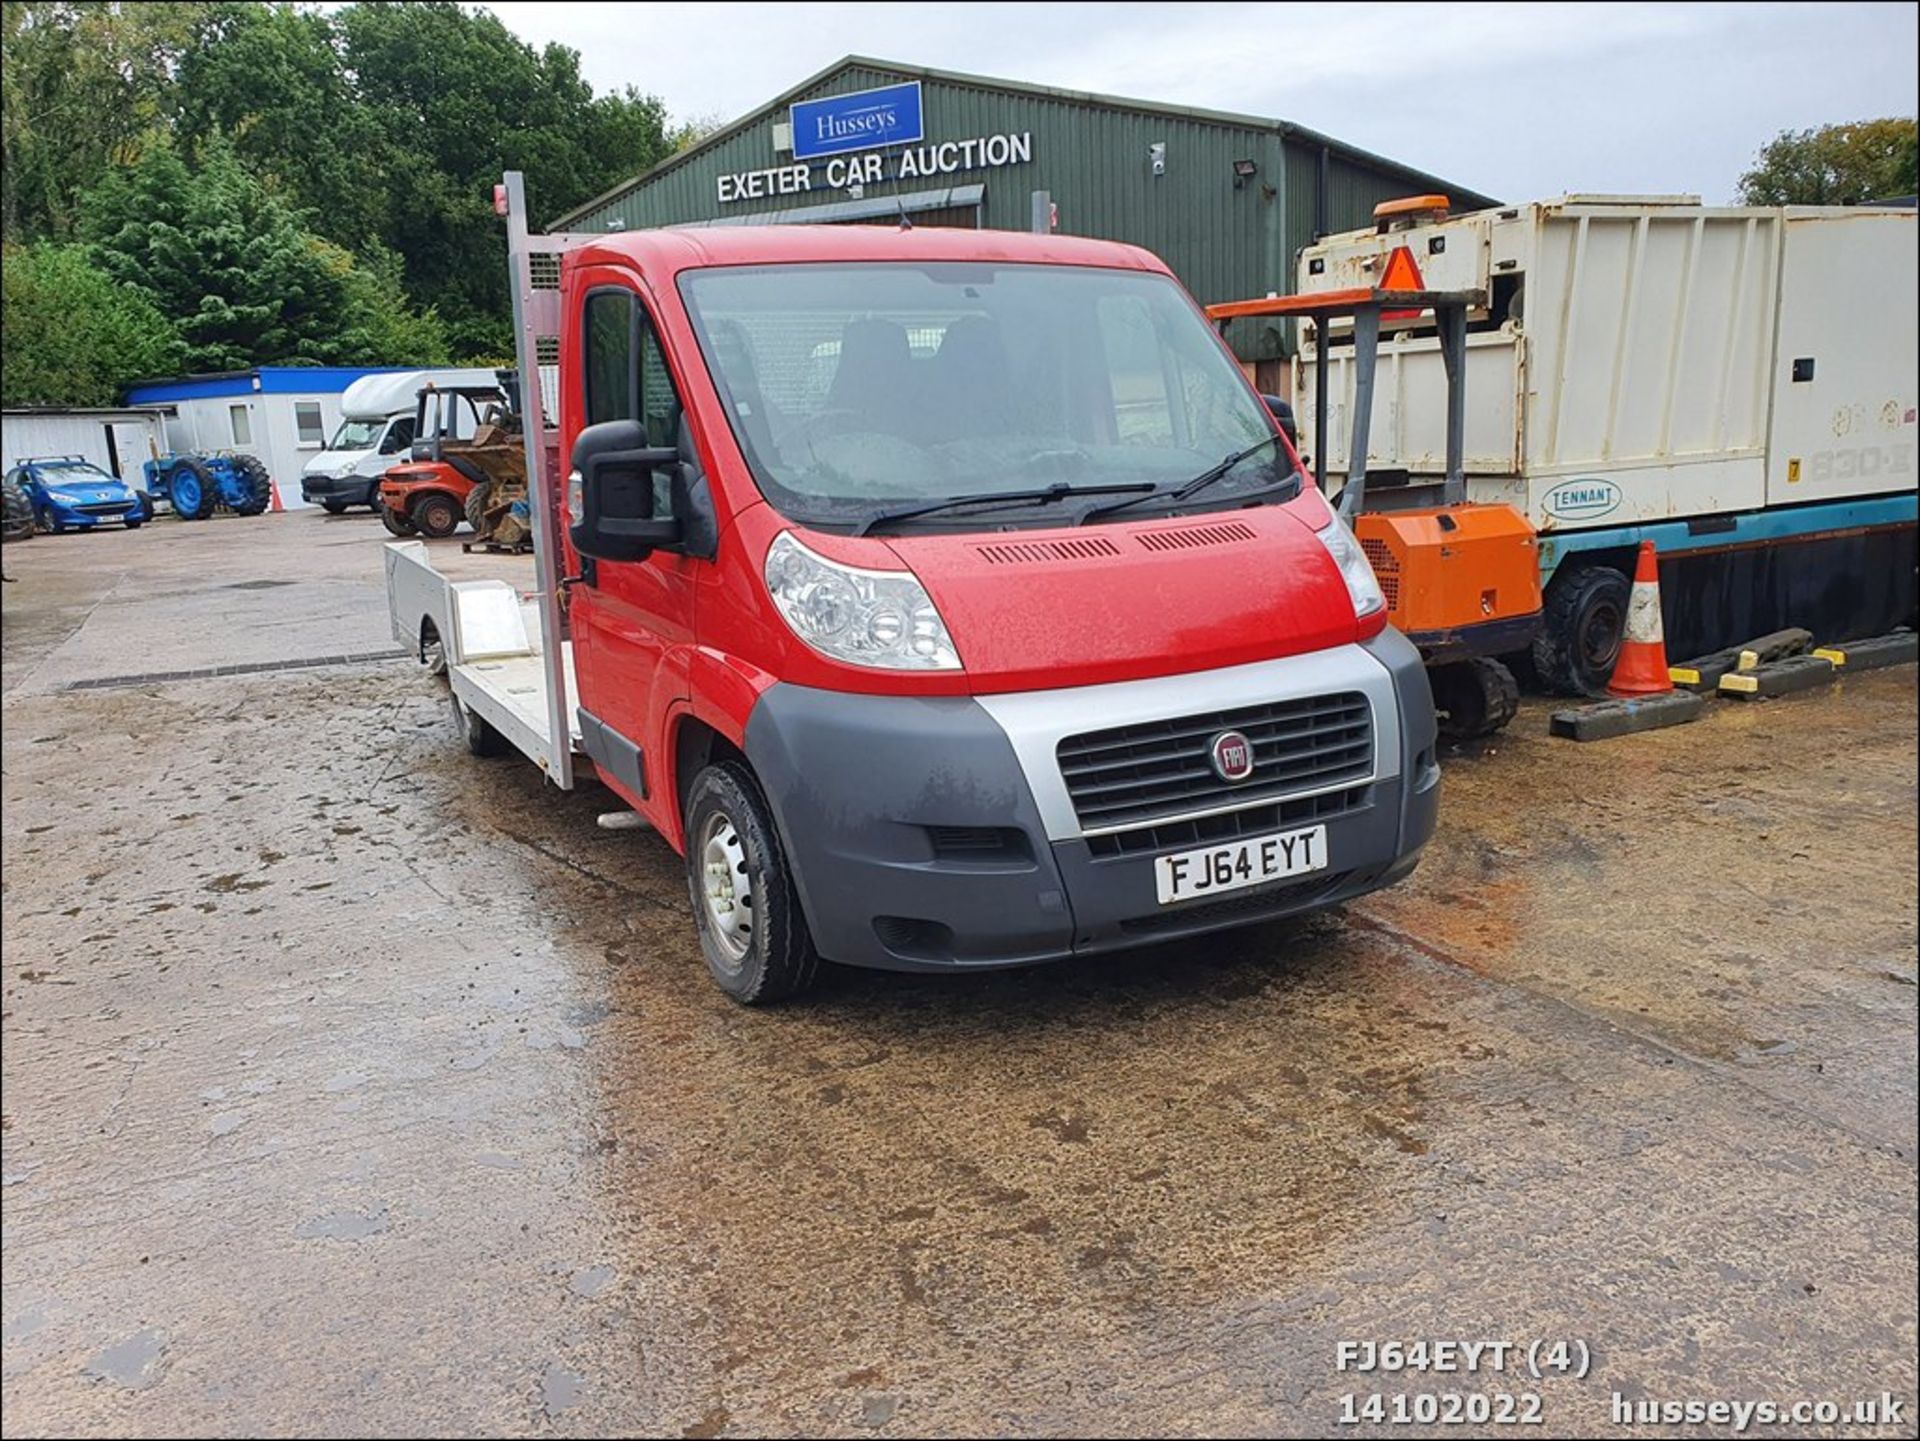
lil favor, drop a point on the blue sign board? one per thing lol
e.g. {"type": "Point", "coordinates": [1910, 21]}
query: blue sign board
{"type": "Point", "coordinates": [863, 120]}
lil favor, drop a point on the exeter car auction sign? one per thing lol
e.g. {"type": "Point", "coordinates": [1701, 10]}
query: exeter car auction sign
{"type": "Point", "coordinates": [846, 132]}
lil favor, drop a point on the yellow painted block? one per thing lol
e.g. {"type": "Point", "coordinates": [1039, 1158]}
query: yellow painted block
{"type": "Point", "coordinates": [1837, 657]}
{"type": "Point", "coordinates": [1745, 683]}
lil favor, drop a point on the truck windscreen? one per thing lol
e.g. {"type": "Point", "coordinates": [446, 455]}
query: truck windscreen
{"type": "Point", "coordinates": [856, 386]}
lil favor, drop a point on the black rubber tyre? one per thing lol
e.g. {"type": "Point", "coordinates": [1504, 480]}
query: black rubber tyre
{"type": "Point", "coordinates": [478, 499]}
{"type": "Point", "coordinates": [19, 514]}
{"type": "Point", "coordinates": [745, 906]}
{"type": "Point", "coordinates": [255, 482]}
{"type": "Point", "coordinates": [435, 515]}
{"type": "Point", "coordinates": [1580, 630]}
{"type": "Point", "coordinates": [134, 523]}
{"type": "Point", "coordinates": [200, 493]}
{"type": "Point", "coordinates": [396, 523]}
{"type": "Point", "coordinates": [481, 738]}
{"type": "Point", "coordinates": [1473, 697]}
{"type": "Point", "coordinates": [146, 507]}
{"type": "Point", "coordinates": [334, 507]}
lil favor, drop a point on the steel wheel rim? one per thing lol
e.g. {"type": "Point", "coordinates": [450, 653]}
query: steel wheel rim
{"type": "Point", "coordinates": [1604, 630]}
{"type": "Point", "coordinates": [726, 888]}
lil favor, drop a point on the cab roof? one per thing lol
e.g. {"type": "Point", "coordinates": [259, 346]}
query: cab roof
{"type": "Point", "coordinates": [673, 251]}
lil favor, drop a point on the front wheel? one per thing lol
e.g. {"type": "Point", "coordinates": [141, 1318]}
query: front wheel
{"type": "Point", "coordinates": [395, 522]}
{"type": "Point", "coordinates": [745, 906]}
{"type": "Point", "coordinates": [334, 507]}
{"type": "Point", "coordinates": [435, 515]}
{"type": "Point", "coordinates": [1581, 628]}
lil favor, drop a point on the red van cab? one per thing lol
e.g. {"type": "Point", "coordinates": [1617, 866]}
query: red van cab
{"type": "Point", "coordinates": [950, 600]}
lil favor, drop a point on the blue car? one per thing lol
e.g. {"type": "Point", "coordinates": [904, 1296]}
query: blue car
{"type": "Point", "coordinates": [68, 492]}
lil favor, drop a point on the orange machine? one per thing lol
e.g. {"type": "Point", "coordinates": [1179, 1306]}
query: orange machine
{"type": "Point", "coordinates": [1461, 580]}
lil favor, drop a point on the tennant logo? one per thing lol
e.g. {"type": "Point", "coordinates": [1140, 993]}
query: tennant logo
{"type": "Point", "coordinates": [861, 121]}
{"type": "Point", "coordinates": [1582, 499]}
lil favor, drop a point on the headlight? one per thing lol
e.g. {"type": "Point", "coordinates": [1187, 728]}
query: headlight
{"type": "Point", "coordinates": [64, 497]}
{"type": "Point", "coordinates": [1355, 569]}
{"type": "Point", "coordinates": [882, 618]}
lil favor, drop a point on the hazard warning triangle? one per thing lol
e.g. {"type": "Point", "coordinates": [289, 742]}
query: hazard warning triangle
{"type": "Point", "coordinates": [1401, 274]}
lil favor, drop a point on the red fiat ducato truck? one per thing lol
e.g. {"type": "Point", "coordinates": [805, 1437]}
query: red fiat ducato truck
{"type": "Point", "coordinates": [947, 598]}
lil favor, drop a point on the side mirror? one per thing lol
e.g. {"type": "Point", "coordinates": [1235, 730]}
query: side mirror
{"type": "Point", "coordinates": [1283, 412]}
{"type": "Point", "coordinates": [610, 493]}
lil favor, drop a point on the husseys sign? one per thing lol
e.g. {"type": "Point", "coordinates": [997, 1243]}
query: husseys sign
{"type": "Point", "coordinates": [836, 140]}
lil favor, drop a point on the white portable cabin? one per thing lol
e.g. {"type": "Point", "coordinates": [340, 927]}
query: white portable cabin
{"type": "Point", "coordinates": [118, 440]}
{"type": "Point", "coordinates": [283, 414]}
{"type": "Point", "coordinates": [1641, 358]}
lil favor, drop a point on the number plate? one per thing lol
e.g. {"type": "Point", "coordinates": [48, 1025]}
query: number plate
{"type": "Point", "coordinates": [1188, 875]}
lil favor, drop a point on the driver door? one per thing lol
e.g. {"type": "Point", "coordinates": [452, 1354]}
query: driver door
{"type": "Point", "coordinates": [632, 621]}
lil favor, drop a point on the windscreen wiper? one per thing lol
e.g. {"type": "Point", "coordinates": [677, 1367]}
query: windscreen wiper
{"type": "Point", "coordinates": [1053, 493]}
{"type": "Point", "coordinates": [1188, 487]}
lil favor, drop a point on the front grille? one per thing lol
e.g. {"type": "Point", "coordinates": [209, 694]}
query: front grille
{"type": "Point", "coordinates": [108, 507]}
{"type": "Point", "coordinates": [1137, 774]}
{"type": "Point", "coordinates": [1228, 825]}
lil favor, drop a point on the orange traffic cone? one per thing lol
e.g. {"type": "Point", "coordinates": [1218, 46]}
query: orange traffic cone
{"type": "Point", "coordinates": [1642, 667]}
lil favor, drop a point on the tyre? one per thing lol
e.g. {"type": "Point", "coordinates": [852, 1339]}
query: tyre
{"type": "Point", "coordinates": [435, 515]}
{"type": "Point", "coordinates": [134, 523]}
{"type": "Point", "coordinates": [1580, 629]}
{"type": "Point", "coordinates": [191, 488]}
{"type": "Point", "coordinates": [1474, 697]}
{"type": "Point", "coordinates": [395, 522]}
{"type": "Point", "coordinates": [745, 907]}
{"type": "Point", "coordinates": [146, 507]}
{"type": "Point", "coordinates": [481, 738]}
{"type": "Point", "coordinates": [255, 485]}
{"type": "Point", "coordinates": [19, 523]}
{"type": "Point", "coordinates": [334, 507]}
{"type": "Point", "coordinates": [478, 499]}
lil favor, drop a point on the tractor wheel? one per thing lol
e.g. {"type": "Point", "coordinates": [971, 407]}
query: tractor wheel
{"type": "Point", "coordinates": [395, 522]}
{"type": "Point", "coordinates": [435, 515]}
{"type": "Point", "coordinates": [334, 507]}
{"type": "Point", "coordinates": [255, 484]}
{"type": "Point", "coordinates": [1474, 697]}
{"type": "Point", "coordinates": [19, 514]}
{"type": "Point", "coordinates": [478, 500]}
{"type": "Point", "coordinates": [1581, 628]}
{"type": "Point", "coordinates": [190, 485]}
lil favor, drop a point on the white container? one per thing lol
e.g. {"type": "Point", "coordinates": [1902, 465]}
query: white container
{"type": "Point", "coordinates": [1636, 360]}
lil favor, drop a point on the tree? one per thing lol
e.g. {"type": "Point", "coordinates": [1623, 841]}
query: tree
{"type": "Point", "coordinates": [1836, 165]}
{"type": "Point", "coordinates": [232, 263]}
{"type": "Point", "coordinates": [86, 86]}
{"type": "Point", "coordinates": [74, 335]}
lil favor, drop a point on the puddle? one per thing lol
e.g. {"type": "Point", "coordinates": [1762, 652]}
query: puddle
{"type": "Point", "coordinates": [561, 1389]}
{"type": "Point", "coordinates": [344, 1225]}
{"type": "Point", "coordinates": [134, 1364]}
{"type": "Point", "coordinates": [592, 1281]}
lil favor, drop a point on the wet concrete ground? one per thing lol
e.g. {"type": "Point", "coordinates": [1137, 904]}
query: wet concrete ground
{"type": "Point", "coordinates": [353, 1085]}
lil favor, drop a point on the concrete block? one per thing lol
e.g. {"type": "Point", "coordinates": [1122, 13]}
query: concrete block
{"type": "Point", "coordinates": [1895, 649]}
{"type": "Point", "coordinates": [1609, 718]}
{"type": "Point", "coordinates": [1783, 677]}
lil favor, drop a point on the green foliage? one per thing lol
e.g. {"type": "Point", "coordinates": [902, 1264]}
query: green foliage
{"type": "Point", "coordinates": [81, 334]}
{"type": "Point", "coordinates": [235, 149]}
{"type": "Point", "coordinates": [247, 283]}
{"type": "Point", "coordinates": [1836, 165]}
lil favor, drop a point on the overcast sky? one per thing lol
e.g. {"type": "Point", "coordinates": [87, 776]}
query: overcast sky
{"type": "Point", "coordinates": [1522, 102]}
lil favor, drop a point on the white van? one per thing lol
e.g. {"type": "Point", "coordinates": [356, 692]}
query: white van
{"type": "Point", "coordinates": [376, 431]}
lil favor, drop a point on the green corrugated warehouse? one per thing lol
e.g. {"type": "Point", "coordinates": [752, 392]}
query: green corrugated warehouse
{"type": "Point", "coordinates": [1227, 200]}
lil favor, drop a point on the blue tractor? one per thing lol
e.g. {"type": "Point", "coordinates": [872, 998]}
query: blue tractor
{"type": "Point", "coordinates": [195, 484]}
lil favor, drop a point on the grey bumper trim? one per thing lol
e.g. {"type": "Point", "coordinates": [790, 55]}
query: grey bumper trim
{"type": "Point", "coordinates": [1035, 722]}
